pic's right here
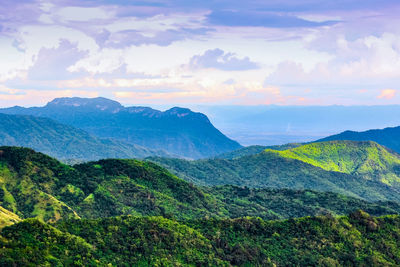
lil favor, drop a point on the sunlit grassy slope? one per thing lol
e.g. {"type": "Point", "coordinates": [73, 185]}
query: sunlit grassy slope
{"type": "Point", "coordinates": [364, 158]}
{"type": "Point", "coordinates": [7, 217]}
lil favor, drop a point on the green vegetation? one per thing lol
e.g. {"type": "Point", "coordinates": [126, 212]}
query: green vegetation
{"type": "Point", "coordinates": [269, 203]}
{"type": "Point", "coordinates": [35, 185]}
{"type": "Point", "coordinates": [120, 212]}
{"type": "Point", "coordinates": [252, 150]}
{"type": "Point", "coordinates": [366, 159]}
{"type": "Point", "coordinates": [354, 240]}
{"type": "Point", "coordinates": [7, 217]}
{"type": "Point", "coordinates": [388, 137]}
{"type": "Point", "coordinates": [271, 169]}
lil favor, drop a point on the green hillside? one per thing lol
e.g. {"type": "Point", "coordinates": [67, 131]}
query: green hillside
{"type": "Point", "coordinates": [7, 217]}
{"type": "Point", "coordinates": [363, 158]}
{"type": "Point", "coordinates": [388, 137]}
{"type": "Point", "coordinates": [270, 169]}
{"type": "Point", "coordinates": [252, 150]}
{"type": "Point", "coordinates": [35, 185]}
{"type": "Point", "coordinates": [354, 240]}
{"type": "Point", "coordinates": [120, 212]}
{"type": "Point", "coordinates": [63, 141]}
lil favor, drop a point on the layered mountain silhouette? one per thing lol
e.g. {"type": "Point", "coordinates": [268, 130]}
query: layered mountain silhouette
{"type": "Point", "coordinates": [362, 169]}
{"type": "Point", "coordinates": [65, 142]}
{"type": "Point", "coordinates": [35, 185]}
{"type": "Point", "coordinates": [389, 137]}
{"type": "Point", "coordinates": [178, 131]}
{"type": "Point", "coordinates": [136, 213]}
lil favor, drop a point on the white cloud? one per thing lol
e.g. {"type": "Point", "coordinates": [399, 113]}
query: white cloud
{"type": "Point", "coordinates": [82, 14]}
{"type": "Point", "coordinates": [102, 61]}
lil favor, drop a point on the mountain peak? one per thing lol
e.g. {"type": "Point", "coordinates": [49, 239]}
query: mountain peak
{"type": "Point", "coordinates": [180, 112]}
{"type": "Point", "coordinates": [100, 103]}
{"type": "Point", "coordinates": [184, 112]}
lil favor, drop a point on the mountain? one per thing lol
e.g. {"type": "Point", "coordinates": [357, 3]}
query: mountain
{"type": "Point", "coordinates": [374, 175]}
{"type": "Point", "coordinates": [354, 240]}
{"type": "Point", "coordinates": [388, 137]}
{"type": "Point", "coordinates": [35, 185]}
{"type": "Point", "coordinates": [362, 158]}
{"type": "Point", "coordinates": [63, 141]}
{"type": "Point", "coordinates": [178, 131]}
{"type": "Point", "coordinates": [53, 214]}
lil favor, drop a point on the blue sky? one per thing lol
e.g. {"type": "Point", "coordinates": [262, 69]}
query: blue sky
{"type": "Point", "coordinates": [284, 52]}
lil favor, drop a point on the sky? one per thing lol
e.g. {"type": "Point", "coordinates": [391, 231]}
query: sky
{"type": "Point", "coordinates": [163, 52]}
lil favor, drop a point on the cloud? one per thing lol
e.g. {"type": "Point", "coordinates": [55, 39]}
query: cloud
{"type": "Point", "coordinates": [369, 61]}
{"type": "Point", "coordinates": [52, 63]}
{"type": "Point", "coordinates": [103, 61]}
{"type": "Point", "coordinates": [126, 38]}
{"type": "Point", "coordinates": [218, 59]}
{"type": "Point", "coordinates": [5, 91]}
{"type": "Point", "coordinates": [262, 19]}
{"type": "Point", "coordinates": [30, 97]}
{"type": "Point", "coordinates": [83, 14]}
{"type": "Point", "coordinates": [387, 94]}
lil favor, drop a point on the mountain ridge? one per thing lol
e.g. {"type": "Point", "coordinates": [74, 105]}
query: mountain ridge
{"type": "Point", "coordinates": [272, 168]}
{"type": "Point", "coordinates": [362, 158]}
{"type": "Point", "coordinates": [388, 137]}
{"type": "Point", "coordinates": [62, 141]}
{"type": "Point", "coordinates": [33, 184]}
{"type": "Point", "coordinates": [178, 131]}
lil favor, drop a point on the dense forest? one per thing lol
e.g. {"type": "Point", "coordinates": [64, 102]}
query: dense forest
{"type": "Point", "coordinates": [35, 185]}
{"type": "Point", "coordinates": [354, 240]}
{"type": "Point", "coordinates": [360, 169]}
{"type": "Point", "coordinates": [130, 212]}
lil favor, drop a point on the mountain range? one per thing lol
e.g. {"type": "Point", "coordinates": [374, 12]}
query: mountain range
{"type": "Point", "coordinates": [65, 142]}
{"type": "Point", "coordinates": [33, 184]}
{"type": "Point", "coordinates": [179, 131]}
{"type": "Point", "coordinates": [388, 137]}
{"type": "Point", "coordinates": [239, 207]}
{"type": "Point", "coordinates": [361, 169]}
{"type": "Point", "coordinates": [130, 212]}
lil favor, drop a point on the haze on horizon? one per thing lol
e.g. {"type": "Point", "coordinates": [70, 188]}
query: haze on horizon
{"type": "Point", "coordinates": [303, 52]}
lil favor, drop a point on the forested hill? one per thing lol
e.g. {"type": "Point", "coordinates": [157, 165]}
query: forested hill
{"type": "Point", "coordinates": [389, 137]}
{"type": "Point", "coordinates": [362, 158]}
{"type": "Point", "coordinates": [63, 141]}
{"type": "Point", "coordinates": [119, 211]}
{"type": "Point", "coordinates": [355, 240]}
{"type": "Point", "coordinates": [361, 169]}
{"type": "Point", "coordinates": [35, 185]}
{"type": "Point", "coordinates": [178, 131]}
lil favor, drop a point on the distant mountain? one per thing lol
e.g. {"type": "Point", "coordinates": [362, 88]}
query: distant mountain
{"type": "Point", "coordinates": [389, 137]}
{"type": "Point", "coordinates": [178, 131]}
{"type": "Point", "coordinates": [35, 185]}
{"type": "Point", "coordinates": [360, 169]}
{"type": "Point", "coordinates": [64, 142]}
